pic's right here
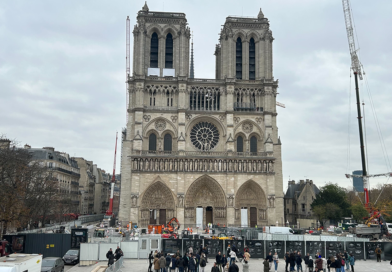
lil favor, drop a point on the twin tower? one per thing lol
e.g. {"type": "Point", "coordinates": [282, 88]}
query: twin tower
{"type": "Point", "coordinates": [202, 150]}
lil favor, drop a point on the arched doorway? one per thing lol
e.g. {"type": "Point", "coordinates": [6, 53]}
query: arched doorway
{"type": "Point", "coordinates": [252, 202]}
{"type": "Point", "coordinates": [157, 205]}
{"type": "Point", "coordinates": [205, 202]}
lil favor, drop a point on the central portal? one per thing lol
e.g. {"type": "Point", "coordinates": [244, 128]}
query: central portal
{"type": "Point", "coordinates": [209, 214]}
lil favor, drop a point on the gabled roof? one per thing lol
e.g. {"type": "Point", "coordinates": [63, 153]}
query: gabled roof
{"type": "Point", "coordinates": [297, 188]}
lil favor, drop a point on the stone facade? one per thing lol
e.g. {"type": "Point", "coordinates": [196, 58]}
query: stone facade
{"type": "Point", "coordinates": [202, 150]}
{"type": "Point", "coordinates": [297, 200]}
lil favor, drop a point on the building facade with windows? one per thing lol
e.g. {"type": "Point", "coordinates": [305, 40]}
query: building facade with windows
{"type": "Point", "coordinates": [202, 150]}
{"type": "Point", "coordinates": [297, 200]}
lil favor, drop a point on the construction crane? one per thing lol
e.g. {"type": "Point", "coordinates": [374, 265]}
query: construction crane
{"type": "Point", "coordinates": [280, 104]}
{"type": "Point", "coordinates": [356, 67]}
{"type": "Point", "coordinates": [127, 65]}
{"type": "Point", "coordinates": [110, 211]}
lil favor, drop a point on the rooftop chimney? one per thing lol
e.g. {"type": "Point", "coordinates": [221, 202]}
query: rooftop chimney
{"type": "Point", "coordinates": [26, 146]}
{"type": "Point", "coordinates": [49, 148]}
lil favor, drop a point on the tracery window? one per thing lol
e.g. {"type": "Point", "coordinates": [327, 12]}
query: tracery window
{"type": "Point", "coordinates": [204, 136]}
{"type": "Point", "coordinates": [204, 99]}
{"type": "Point", "coordinates": [253, 144]}
{"type": "Point", "coordinates": [154, 51]}
{"type": "Point", "coordinates": [167, 142]}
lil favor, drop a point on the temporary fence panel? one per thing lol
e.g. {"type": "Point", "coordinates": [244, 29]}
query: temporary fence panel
{"type": "Point", "coordinates": [17, 242]}
{"type": "Point", "coordinates": [48, 244]}
{"type": "Point", "coordinates": [312, 238]}
{"type": "Point", "coordinates": [284, 237]}
{"type": "Point", "coordinates": [293, 237]}
{"type": "Point", "coordinates": [239, 244]}
{"type": "Point", "coordinates": [370, 250]}
{"type": "Point", "coordinates": [312, 247]}
{"type": "Point", "coordinates": [292, 246]}
{"type": "Point", "coordinates": [116, 239]}
{"type": "Point", "coordinates": [329, 238]}
{"type": "Point", "coordinates": [104, 248]}
{"type": "Point", "coordinates": [171, 246]}
{"type": "Point", "coordinates": [149, 243]}
{"type": "Point", "coordinates": [275, 246]}
{"type": "Point", "coordinates": [130, 249]}
{"type": "Point", "coordinates": [356, 248]}
{"type": "Point", "coordinates": [116, 267]}
{"type": "Point", "coordinates": [256, 248]}
{"type": "Point", "coordinates": [253, 234]}
{"type": "Point", "coordinates": [332, 248]}
{"type": "Point", "coordinates": [265, 236]}
{"type": "Point", "coordinates": [213, 247]}
{"type": "Point", "coordinates": [194, 243]}
{"type": "Point", "coordinates": [244, 218]}
{"type": "Point", "coordinates": [89, 252]}
{"type": "Point", "coordinates": [387, 251]}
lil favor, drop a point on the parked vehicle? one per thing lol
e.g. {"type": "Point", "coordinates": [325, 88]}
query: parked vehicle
{"type": "Point", "coordinates": [52, 264]}
{"type": "Point", "coordinates": [71, 257]}
{"type": "Point", "coordinates": [21, 262]}
{"type": "Point", "coordinates": [278, 230]}
{"type": "Point", "coordinates": [389, 227]}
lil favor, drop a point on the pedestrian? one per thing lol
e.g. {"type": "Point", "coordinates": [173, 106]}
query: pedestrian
{"type": "Point", "coordinates": [156, 263]}
{"type": "Point", "coordinates": [306, 261]}
{"type": "Point", "coordinates": [298, 261]}
{"type": "Point", "coordinates": [150, 260]}
{"type": "Point", "coordinates": [378, 252]}
{"type": "Point", "coordinates": [226, 269]}
{"type": "Point", "coordinates": [332, 266]}
{"type": "Point", "coordinates": [180, 264]}
{"type": "Point", "coordinates": [233, 267]}
{"type": "Point", "coordinates": [287, 260]}
{"type": "Point", "coordinates": [162, 263]}
{"type": "Point", "coordinates": [197, 258]}
{"type": "Point", "coordinates": [118, 254]}
{"type": "Point", "coordinates": [352, 262]}
{"type": "Point", "coordinates": [266, 265]}
{"type": "Point", "coordinates": [324, 264]}
{"type": "Point", "coordinates": [232, 256]}
{"type": "Point", "coordinates": [186, 262]}
{"type": "Point", "coordinates": [310, 264]}
{"type": "Point", "coordinates": [173, 264]}
{"type": "Point", "coordinates": [228, 250]}
{"type": "Point", "coordinates": [319, 263]}
{"type": "Point", "coordinates": [270, 260]}
{"type": "Point", "coordinates": [338, 263]}
{"type": "Point", "coordinates": [203, 263]}
{"type": "Point", "coordinates": [190, 250]}
{"type": "Point", "coordinates": [214, 268]}
{"type": "Point", "coordinates": [110, 252]}
{"type": "Point", "coordinates": [218, 261]}
{"type": "Point", "coordinates": [178, 253]}
{"type": "Point", "coordinates": [292, 262]}
{"type": "Point", "coordinates": [117, 250]}
{"type": "Point", "coordinates": [246, 257]}
{"type": "Point", "coordinates": [343, 260]}
{"type": "Point", "coordinates": [276, 261]}
{"type": "Point", "coordinates": [224, 260]}
{"type": "Point", "coordinates": [192, 264]}
{"type": "Point", "coordinates": [168, 262]}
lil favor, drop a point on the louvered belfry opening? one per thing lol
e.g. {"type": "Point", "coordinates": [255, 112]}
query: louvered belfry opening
{"type": "Point", "coordinates": [169, 51]}
{"type": "Point", "coordinates": [154, 51]}
{"type": "Point", "coordinates": [252, 59]}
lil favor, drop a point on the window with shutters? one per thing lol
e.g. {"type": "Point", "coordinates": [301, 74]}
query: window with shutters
{"type": "Point", "coordinates": [252, 59]}
{"type": "Point", "coordinates": [154, 51]}
{"type": "Point", "coordinates": [238, 58]}
{"type": "Point", "coordinates": [240, 144]}
{"type": "Point", "coordinates": [169, 51]}
{"type": "Point", "coordinates": [152, 142]}
{"type": "Point", "coordinates": [253, 144]}
{"type": "Point", "coordinates": [167, 142]}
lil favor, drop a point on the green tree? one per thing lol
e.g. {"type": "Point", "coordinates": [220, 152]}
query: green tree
{"type": "Point", "coordinates": [327, 211]}
{"type": "Point", "coordinates": [359, 212]}
{"type": "Point", "coordinates": [332, 194]}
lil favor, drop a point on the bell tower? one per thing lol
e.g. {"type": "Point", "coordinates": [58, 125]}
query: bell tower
{"type": "Point", "coordinates": [161, 44]}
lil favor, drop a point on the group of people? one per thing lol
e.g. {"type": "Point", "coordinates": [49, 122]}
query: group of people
{"type": "Point", "coordinates": [294, 260]}
{"type": "Point", "coordinates": [114, 256]}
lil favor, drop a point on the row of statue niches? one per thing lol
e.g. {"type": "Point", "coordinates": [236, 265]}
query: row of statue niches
{"type": "Point", "coordinates": [141, 164]}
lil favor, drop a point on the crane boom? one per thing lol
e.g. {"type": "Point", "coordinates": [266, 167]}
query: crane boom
{"type": "Point", "coordinates": [355, 63]}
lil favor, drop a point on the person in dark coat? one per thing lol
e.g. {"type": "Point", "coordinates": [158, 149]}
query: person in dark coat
{"type": "Point", "coordinates": [110, 254]}
{"type": "Point", "coordinates": [118, 255]}
{"type": "Point", "coordinates": [180, 264]}
{"type": "Point", "coordinates": [215, 268]}
{"type": "Point", "coordinates": [192, 263]}
{"type": "Point", "coordinates": [173, 263]}
{"type": "Point", "coordinates": [234, 268]}
{"type": "Point", "coordinates": [266, 264]}
{"type": "Point", "coordinates": [306, 261]}
{"type": "Point", "coordinates": [292, 262]}
{"type": "Point", "coordinates": [168, 262]}
{"type": "Point", "coordinates": [319, 264]}
{"type": "Point", "coordinates": [224, 260]}
{"type": "Point", "coordinates": [186, 262]}
{"type": "Point", "coordinates": [298, 261]}
{"type": "Point", "coordinates": [198, 262]}
{"type": "Point", "coordinates": [287, 260]}
{"type": "Point", "coordinates": [338, 263]}
{"type": "Point", "coordinates": [270, 259]}
{"type": "Point", "coordinates": [218, 262]}
{"type": "Point", "coordinates": [310, 264]}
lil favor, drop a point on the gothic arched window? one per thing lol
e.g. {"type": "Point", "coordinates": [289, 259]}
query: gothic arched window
{"type": "Point", "coordinates": [240, 144]}
{"type": "Point", "coordinates": [169, 51]}
{"type": "Point", "coordinates": [253, 144]}
{"type": "Point", "coordinates": [154, 51]}
{"type": "Point", "coordinates": [152, 142]}
{"type": "Point", "coordinates": [252, 59]}
{"type": "Point", "coordinates": [167, 142]}
{"type": "Point", "coordinates": [238, 58]}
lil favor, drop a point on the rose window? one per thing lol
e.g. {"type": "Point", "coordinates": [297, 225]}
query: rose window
{"type": "Point", "coordinates": [204, 136]}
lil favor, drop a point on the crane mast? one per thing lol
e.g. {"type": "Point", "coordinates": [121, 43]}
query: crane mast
{"type": "Point", "coordinates": [110, 211]}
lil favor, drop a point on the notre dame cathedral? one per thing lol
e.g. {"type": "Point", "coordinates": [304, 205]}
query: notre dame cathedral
{"type": "Point", "coordinates": [202, 150]}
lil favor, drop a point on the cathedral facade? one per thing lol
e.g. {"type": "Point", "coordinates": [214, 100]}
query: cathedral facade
{"type": "Point", "coordinates": [202, 150]}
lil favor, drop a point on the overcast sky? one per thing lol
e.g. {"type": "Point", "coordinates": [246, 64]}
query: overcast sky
{"type": "Point", "coordinates": [62, 73]}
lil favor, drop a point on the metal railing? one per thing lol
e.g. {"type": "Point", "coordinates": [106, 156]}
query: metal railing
{"type": "Point", "coordinates": [247, 106]}
{"type": "Point", "coordinates": [116, 266]}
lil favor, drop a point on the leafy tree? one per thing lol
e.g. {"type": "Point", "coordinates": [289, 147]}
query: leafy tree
{"type": "Point", "coordinates": [327, 211]}
{"type": "Point", "coordinates": [359, 212]}
{"type": "Point", "coordinates": [332, 194]}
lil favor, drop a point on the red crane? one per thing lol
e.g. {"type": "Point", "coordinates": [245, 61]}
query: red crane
{"type": "Point", "coordinates": [110, 211]}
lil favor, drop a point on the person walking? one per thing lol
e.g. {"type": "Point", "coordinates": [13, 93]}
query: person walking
{"type": "Point", "coordinates": [266, 265]}
{"type": "Point", "coordinates": [108, 254]}
{"type": "Point", "coordinates": [287, 260]}
{"type": "Point", "coordinates": [190, 250]}
{"type": "Point", "coordinates": [310, 264]}
{"type": "Point", "coordinates": [156, 263]}
{"type": "Point", "coordinates": [233, 267]}
{"type": "Point", "coordinates": [346, 257]}
{"type": "Point", "coordinates": [168, 261]}
{"type": "Point", "coordinates": [319, 264]}
{"type": "Point", "coordinates": [214, 268]}
{"type": "Point", "coordinates": [306, 261]}
{"type": "Point", "coordinates": [292, 262]}
{"type": "Point", "coordinates": [192, 264]}
{"type": "Point", "coordinates": [298, 261]}
{"type": "Point", "coordinates": [117, 250]}
{"type": "Point", "coordinates": [226, 268]}
{"type": "Point", "coordinates": [232, 256]}
{"type": "Point", "coordinates": [276, 260]}
{"type": "Point", "coordinates": [203, 263]}
{"type": "Point", "coordinates": [218, 261]}
{"type": "Point", "coordinates": [324, 264]}
{"type": "Point", "coordinates": [378, 252]}
{"type": "Point", "coordinates": [186, 262]}
{"type": "Point", "coordinates": [246, 257]}
{"type": "Point", "coordinates": [270, 260]}
{"type": "Point", "coordinates": [162, 263]}
{"type": "Point", "coordinates": [352, 262]}
{"type": "Point", "coordinates": [118, 255]}
{"type": "Point", "coordinates": [224, 261]}
{"type": "Point", "coordinates": [173, 264]}
{"type": "Point", "coordinates": [343, 260]}
{"type": "Point", "coordinates": [197, 258]}
{"type": "Point", "coordinates": [180, 264]}
{"type": "Point", "coordinates": [332, 265]}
